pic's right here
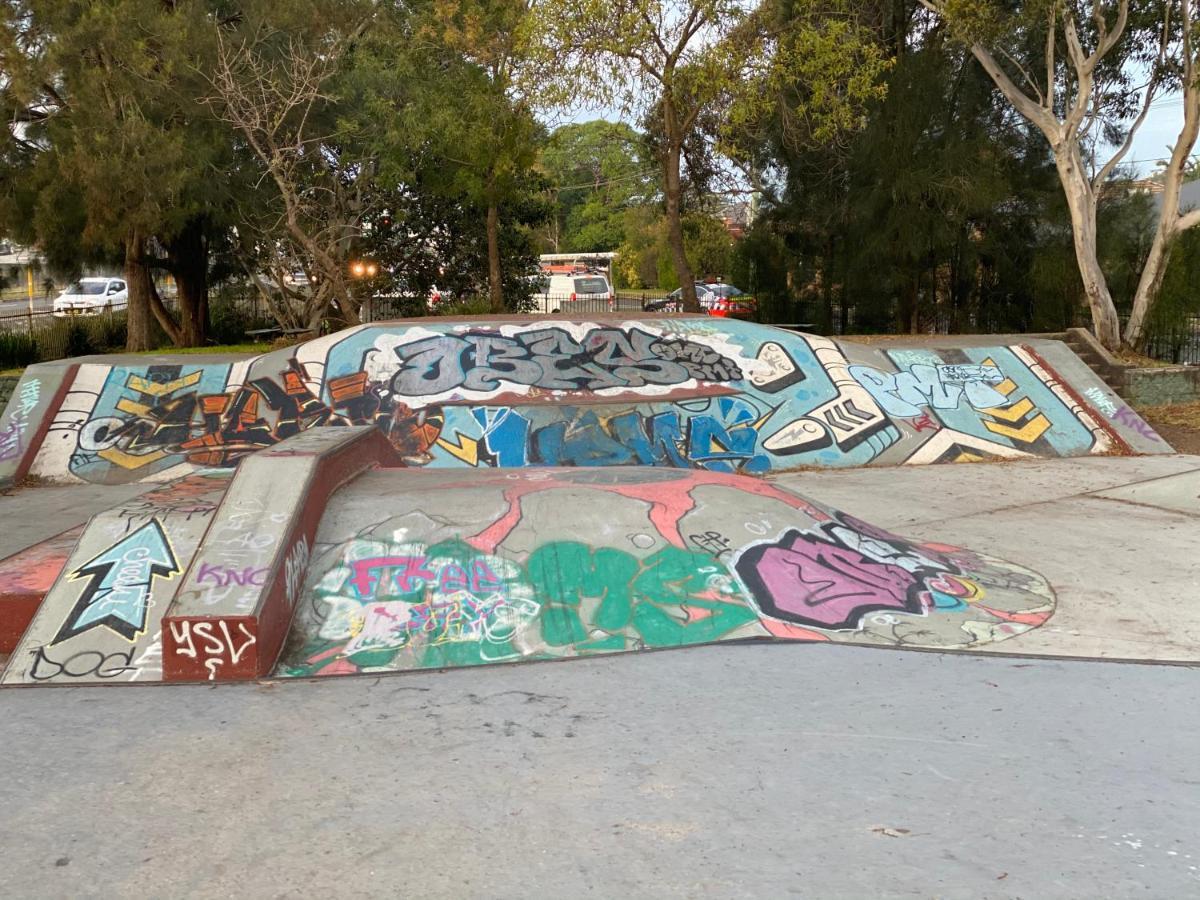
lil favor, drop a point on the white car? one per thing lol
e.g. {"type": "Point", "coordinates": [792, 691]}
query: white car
{"type": "Point", "coordinates": [570, 293]}
{"type": "Point", "coordinates": [91, 295]}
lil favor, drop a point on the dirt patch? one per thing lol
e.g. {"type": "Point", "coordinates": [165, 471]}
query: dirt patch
{"type": "Point", "coordinates": [1178, 423]}
{"type": "Point", "coordinates": [1136, 360]}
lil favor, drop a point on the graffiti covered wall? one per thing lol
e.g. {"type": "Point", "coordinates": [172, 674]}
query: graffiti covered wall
{"type": "Point", "coordinates": [653, 559]}
{"type": "Point", "coordinates": [722, 396]}
{"type": "Point", "coordinates": [101, 619]}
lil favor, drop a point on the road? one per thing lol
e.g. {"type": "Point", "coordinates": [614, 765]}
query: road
{"type": "Point", "coordinates": [17, 307]}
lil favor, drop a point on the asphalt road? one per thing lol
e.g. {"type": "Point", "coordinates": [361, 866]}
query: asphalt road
{"type": "Point", "coordinates": [16, 307]}
{"type": "Point", "coordinates": [732, 771]}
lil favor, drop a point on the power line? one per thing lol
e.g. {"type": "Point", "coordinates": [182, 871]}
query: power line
{"type": "Point", "coordinates": [598, 184]}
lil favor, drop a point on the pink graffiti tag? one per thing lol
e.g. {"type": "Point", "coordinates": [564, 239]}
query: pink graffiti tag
{"type": "Point", "coordinates": [832, 576]}
{"type": "Point", "coordinates": [413, 572]}
{"type": "Point", "coordinates": [830, 586]}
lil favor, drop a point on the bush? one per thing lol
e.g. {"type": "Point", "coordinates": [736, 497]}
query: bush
{"type": "Point", "coordinates": [17, 351]}
{"type": "Point", "coordinates": [234, 309]}
{"type": "Point", "coordinates": [79, 340]}
{"type": "Point", "coordinates": [468, 306]}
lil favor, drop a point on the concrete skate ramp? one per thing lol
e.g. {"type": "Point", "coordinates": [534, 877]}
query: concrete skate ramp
{"type": "Point", "coordinates": [678, 392]}
{"type": "Point", "coordinates": [324, 555]}
{"type": "Point", "coordinates": [428, 569]}
{"type": "Point", "coordinates": [195, 580]}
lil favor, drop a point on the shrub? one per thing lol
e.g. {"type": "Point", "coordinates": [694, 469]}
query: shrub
{"type": "Point", "coordinates": [17, 351]}
{"type": "Point", "coordinates": [468, 306]}
{"type": "Point", "coordinates": [79, 340]}
{"type": "Point", "coordinates": [229, 318]}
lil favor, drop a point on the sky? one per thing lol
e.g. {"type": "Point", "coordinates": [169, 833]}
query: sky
{"type": "Point", "coordinates": [1157, 133]}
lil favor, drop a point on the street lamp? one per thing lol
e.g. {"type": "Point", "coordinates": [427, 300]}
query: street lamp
{"type": "Point", "coordinates": [361, 270]}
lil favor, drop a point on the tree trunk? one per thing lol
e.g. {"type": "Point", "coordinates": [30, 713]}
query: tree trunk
{"type": "Point", "coordinates": [1153, 271]}
{"type": "Point", "coordinates": [674, 192]}
{"type": "Point", "coordinates": [138, 284]}
{"type": "Point", "coordinates": [187, 257]}
{"type": "Point", "coordinates": [827, 283]}
{"type": "Point", "coordinates": [495, 285]}
{"type": "Point", "coordinates": [1169, 224]}
{"type": "Point", "coordinates": [1082, 204]}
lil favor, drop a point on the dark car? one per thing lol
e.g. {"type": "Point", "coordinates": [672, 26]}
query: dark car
{"type": "Point", "coordinates": [716, 299]}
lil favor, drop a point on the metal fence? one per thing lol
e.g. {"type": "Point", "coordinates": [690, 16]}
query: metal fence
{"type": "Point", "coordinates": [40, 335]}
{"type": "Point", "coordinates": [1176, 340]}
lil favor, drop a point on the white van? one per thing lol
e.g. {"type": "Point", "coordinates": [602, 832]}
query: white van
{"type": "Point", "coordinates": [582, 293]}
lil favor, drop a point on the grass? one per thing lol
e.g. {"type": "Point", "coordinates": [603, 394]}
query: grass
{"type": "Point", "coordinates": [186, 351]}
{"type": "Point", "coordinates": [1186, 415]}
{"type": "Point", "coordinates": [219, 348]}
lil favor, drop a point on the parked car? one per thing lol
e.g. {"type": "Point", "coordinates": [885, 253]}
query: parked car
{"type": "Point", "coordinates": [717, 299]}
{"type": "Point", "coordinates": [727, 301]}
{"type": "Point", "coordinates": [566, 293]}
{"type": "Point", "coordinates": [91, 295]}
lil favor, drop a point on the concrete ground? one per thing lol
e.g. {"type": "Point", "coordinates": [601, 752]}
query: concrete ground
{"type": "Point", "coordinates": [732, 771]}
{"type": "Point", "coordinates": [727, 771]}
{"type": "Point", "coordinates": [1117, 538]}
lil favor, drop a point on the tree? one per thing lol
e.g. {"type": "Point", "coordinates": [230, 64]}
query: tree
{"type": "Point", "coordinates": [487, 131]}
{"type": "Point", "coordinates": [686, 58]}
{"type": "Point", "coordinates": [1068, 67]}
{"type": "Point", "coordinates": [274, 90]}
{"type": "Point", "coordinates": [111, 157]}
{"type": "Point", "coordinates": [598, 170]}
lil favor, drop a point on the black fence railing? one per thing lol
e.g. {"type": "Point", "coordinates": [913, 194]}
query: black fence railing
{"type": "Point", "coordinates": [1175, 340]}
{"type": "Point", "coordinates": [42, 336]}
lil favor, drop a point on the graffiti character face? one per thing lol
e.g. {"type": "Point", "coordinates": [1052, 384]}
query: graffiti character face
{"type": "Point", "coordinates": [831, 577]}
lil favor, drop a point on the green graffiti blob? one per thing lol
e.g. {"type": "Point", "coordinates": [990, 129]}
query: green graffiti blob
{"type": "Point", "coordinates": [588, 601]}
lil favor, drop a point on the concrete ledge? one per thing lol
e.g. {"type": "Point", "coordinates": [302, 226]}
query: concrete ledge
{"type": "Point", "coordinates": [231, 615]}
{"type": "Point", "coordinates": [1140, 386]}
{"type": "Point", "coordinates": [1159, 386]}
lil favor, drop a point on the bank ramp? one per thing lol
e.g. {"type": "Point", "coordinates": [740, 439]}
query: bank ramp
{"type": "Point", "coordinates": [680, 392]}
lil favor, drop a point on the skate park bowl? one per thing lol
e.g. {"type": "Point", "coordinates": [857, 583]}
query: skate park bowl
{"type": "Point", "coordinates": [443, 492]}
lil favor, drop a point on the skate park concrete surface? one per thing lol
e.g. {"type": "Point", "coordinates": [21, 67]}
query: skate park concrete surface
{"type": "Point", "coordinates": [1029, 765]}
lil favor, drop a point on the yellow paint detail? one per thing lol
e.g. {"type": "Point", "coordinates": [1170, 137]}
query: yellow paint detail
{"type": "Point", "coordinates": [154, 389]}
{"type": "Point", "coordinates": [965, 457]}
{"type": "Point", "coordinates": [467, 450]}
{"type": "Point", "coordinates": [133, 407]}
{"type": "Point", "coordinates": [130, 460]}
{"type": "Point", "coordinates": [1030, 431]}
{"type": "Point", "coordinates": [1014, 413]}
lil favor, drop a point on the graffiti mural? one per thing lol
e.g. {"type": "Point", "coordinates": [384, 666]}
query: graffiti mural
{"type": "Point", "coordinates": [677, 393]}
{"type": "Point", "coordinates": [673, 558]}
{"type": "Point", "coordinates": [12, 435]}
{"type": "Point", "coordinates": [101, 618]}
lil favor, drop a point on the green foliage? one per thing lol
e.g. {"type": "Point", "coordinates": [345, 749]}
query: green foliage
{"type": "Point", "coordinates": [17, 350]}
{"type": "Point", "coordinates": [597, 171]}
{"type": "Point", "coordinates": [478, 305]}
{"type": "Point", "coordinates": [230, 320]}
{"type": "Point", "coordinates": [644, 257]}
{"type": "Point", "coordinates": [79, 340]}
{"type": "Point", "coordinates": [938, 214]}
